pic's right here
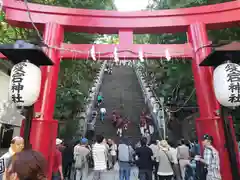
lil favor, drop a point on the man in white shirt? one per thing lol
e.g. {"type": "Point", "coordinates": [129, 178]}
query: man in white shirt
{"type": "Point", "coordinates": [102, 113]}
{"type": "Point", "coordinates": [99, 153]}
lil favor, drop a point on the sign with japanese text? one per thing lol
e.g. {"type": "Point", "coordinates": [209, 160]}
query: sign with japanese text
{"type": "Point", "coordinates": [25, 81]}
{"type": "Point", "coordinates": [226, 81]}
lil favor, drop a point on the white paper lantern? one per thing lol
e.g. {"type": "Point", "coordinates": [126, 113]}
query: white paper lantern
{"type": "Point", "coordinates": [147, 89]}
{"type": "Point", "coordinates": [93, 89]}
{"type": "Point", "coordinates": [155, 107]}
{"type": "Point", "coordinates": [226, 82]}
{"type": "Point", "coordinates": [25, 82]}
{"type": "Point", "coordinates": [152, 100]}
{"type": "Point", "coordinates": [149, 94]}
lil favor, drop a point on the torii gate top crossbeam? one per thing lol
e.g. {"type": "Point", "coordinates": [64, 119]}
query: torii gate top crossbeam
{"type": "Point", "coordinates": [110, 22]}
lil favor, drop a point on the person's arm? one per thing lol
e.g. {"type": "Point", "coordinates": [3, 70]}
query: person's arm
{"type": "Point", "coordinates": [106, 152]}
{"type": "Point", "coordinates": [136, 154]}
{"type": "Point", "coordinates": [178, 153]}
{"type": "Point", "coordinates": [158, 156]}
{"type": "Point", "coordinates": [74, 152]}
{"type": "Point", "coordinates": [170, 155]}
{"type": "Point", "coordinates": [60, 165]}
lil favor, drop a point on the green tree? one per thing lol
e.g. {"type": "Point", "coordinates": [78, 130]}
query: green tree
{"type": "Point", "coordinates": [76, 76]}
{"type": "Point", "coordinates": [174, 79]}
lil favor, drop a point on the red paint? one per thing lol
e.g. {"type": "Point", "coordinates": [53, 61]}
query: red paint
{"type": "Point", "coordinates": [207, 123]}
{"type": "Point", "coordinates": [44, 128]}
{"type": "Point", "coordinates": [43, 139]}
{"type": "Point", "coordinates": [110, 22]}
{"type": "Point", "coordinates": [125, 37]}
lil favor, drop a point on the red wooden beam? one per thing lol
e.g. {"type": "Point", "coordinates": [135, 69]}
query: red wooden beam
{"type": "Point", "coordinates": [105, 51]}
{"type": "Point", "coordinates": [110, 22]}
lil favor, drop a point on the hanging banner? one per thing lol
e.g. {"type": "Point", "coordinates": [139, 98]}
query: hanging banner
{"type": "Point", "coordinates": [226, 82]}
{"type": "Point", "coordinates": [25, 82]}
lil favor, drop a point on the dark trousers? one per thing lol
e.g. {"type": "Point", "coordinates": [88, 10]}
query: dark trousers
{"type": "Point", "coordinates": [155, 166]}
{"type": "Point", "coordinates": [165, 177]}
{"type": "Point", "coordinates": [67, 170]}
{"type": "Point", "coordinates": [145, 174]}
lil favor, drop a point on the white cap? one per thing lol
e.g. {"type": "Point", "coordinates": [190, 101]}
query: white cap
{"type": "Point", "coordinates": [58, 141]}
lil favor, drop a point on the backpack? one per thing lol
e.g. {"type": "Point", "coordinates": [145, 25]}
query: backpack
{"type": "Point", "coordinates": [124, 153]}
{"type": "Point", "coordinates": [201, 171]}
{"type": "Point", "coordinates": [189, 172]}
{"type": "Point", "coordinates": [79, 161]}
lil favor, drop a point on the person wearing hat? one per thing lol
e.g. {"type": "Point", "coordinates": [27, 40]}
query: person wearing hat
{"type": "Point", "coordinates": [57, 172]}
{"type": "Point", "coordinates": [81, 154]}
{"type": "Point", "coordinates": [211, 158]}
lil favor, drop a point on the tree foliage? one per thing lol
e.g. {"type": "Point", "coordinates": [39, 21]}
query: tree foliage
{"type": "Point", "coordinates": [173, 74]}
{"type": "Point", "coordinates": [174, 80]}
{"type": "Point", "coordinates": [76, 76]}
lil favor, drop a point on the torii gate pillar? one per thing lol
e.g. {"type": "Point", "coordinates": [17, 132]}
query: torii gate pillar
{"type": "Point", "coordinates": [208, 122]}
{"type": "Point", "coordinates": [44, 127]}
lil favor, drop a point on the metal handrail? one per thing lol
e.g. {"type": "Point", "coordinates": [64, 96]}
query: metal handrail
{"type": "Point", "coordinates": [87, 113]}
{"type": "Point", "coordinates": [155, 115]}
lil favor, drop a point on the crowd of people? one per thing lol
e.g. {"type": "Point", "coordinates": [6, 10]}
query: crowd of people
{"type": "Point", "coordinates": [158, 160]}
{"type": "Point", "coordinates": [155, 159]}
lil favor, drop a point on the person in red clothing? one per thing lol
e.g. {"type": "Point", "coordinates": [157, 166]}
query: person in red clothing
{"type": "Point", "coordinates": [143, 125]}
{"type": "Point", "coordinates": [149, 122]}
{"type": "Point", "coordinates": [126, 122]}
{"type": "Point", "coordinates": [114, 118]}
{"type": "Point", "coordinates": [119, 126]}
{"type": "Point", "coordinates": [57, 173]}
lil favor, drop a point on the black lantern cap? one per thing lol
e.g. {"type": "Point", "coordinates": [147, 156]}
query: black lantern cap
{"type": "Point", "coordinates": [222, 54]}
{"type": "Point", "coordinates": [21, 51]}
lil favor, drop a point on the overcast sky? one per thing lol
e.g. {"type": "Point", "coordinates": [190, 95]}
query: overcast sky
{"type": "Point", "coordinates": [131, 5]}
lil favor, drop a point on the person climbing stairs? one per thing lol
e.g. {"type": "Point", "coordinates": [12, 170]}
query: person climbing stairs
{"type": "Point", "coordinates": [121, 92]}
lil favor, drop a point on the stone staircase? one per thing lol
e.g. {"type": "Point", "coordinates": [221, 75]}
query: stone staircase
{"type": "Point", "coordinates": [121, 88]}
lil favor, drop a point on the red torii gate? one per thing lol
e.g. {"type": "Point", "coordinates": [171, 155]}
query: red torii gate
{"type": "Point", "coordinates": [194, 21]}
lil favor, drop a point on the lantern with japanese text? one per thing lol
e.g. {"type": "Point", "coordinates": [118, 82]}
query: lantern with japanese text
{"type": "Point", "coordinates": [25, 81]}
{"type": "Point", "coordinates": [226, 82]}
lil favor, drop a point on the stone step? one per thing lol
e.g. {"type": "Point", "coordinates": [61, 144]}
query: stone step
{"type": "Point", "coordinates": [121, 87]}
